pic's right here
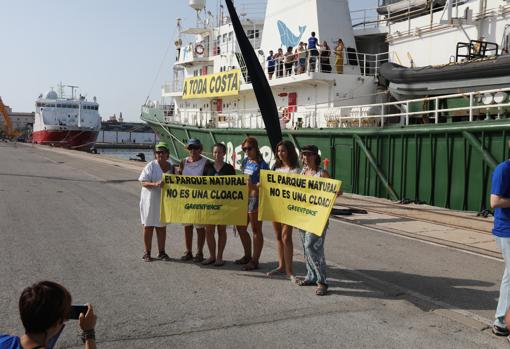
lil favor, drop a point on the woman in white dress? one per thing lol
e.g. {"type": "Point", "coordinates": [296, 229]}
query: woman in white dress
{"type": "Point", "coordinates": [286, 162]}
{"type": "Point", "coordinates": [150, 178]}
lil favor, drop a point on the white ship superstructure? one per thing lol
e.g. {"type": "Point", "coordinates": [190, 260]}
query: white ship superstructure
{"type": "Point", "coordinates": [409, 33]}
{"type": "Point", "coordinates": [66, 122]}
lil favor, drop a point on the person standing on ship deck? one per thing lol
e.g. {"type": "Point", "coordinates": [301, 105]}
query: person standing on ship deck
{"type": "Point", "coordinates": [289, 61]}
{"type": "Point", "coordinates": [324, 58]}
{"type": "Point", "coordinates": [500, 201]}
{"type": "Point", "coordinates": [251, 166]}
{"type": "Point", "coordinates": [194, 165]}
{"type": "Point", "coordinates": [219, 168]}
{"type": "Point", "coordinates": [286, 162]}
{"type": "Point", "coordinates": [313, 43]}
{"type": "Point", "coordinates": [270, 65]}
{"type": "Point", "coordinates": [313, 245]}
{"type": "Point", "coordinates": [151, 180]}
{"type": "Point", "coordinates": [339, 54]}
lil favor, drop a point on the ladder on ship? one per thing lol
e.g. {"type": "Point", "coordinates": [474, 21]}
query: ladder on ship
{"type": "Point", "coordinates": [242, 66]}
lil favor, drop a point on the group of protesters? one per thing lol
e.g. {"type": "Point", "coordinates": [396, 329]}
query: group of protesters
{"type": "Point", "coordinates": [315, 53]}
{"type": "Point", "coordinates": [195, 164]}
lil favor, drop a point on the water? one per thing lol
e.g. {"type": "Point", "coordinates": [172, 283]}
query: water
{"type": "Point", "coordinates": [126, 154]}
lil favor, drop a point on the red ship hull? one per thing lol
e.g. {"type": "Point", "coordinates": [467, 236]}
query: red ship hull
{"type": "Point", "coordinates": [75, 139]}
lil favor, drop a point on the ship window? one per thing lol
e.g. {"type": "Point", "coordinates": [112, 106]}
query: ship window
{"type": "Point", "coordinates": [59, 105]}
{"type": "Point", "coordinates": [225, 37]}
{"type": "Point", "coordinates": [230, 36]}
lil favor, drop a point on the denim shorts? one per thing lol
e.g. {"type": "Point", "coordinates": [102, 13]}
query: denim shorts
{"type": "Point", "coordinates": [253, 204]}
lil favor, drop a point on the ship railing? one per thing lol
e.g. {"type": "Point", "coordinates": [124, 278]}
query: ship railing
{"type": "Point", "coordinates": [350, 62]}
{"type": "Point", "coordinates": [470, 106]}
{"type": "Point", "coordinates": [371, 18]}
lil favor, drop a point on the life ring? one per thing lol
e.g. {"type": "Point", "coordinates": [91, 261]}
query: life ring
{"type": "Point", "coordinates": [285, 115]}
{"type": "Point", "coordinates": [199, 49]}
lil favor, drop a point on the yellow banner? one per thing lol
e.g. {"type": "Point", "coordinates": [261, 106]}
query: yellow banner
{"type": "Point", "coordinates": [214, 85]}
{"type": "Point", "coordinates": [204, 199]}
{"type": "Point", "coordinates": [304, 202]}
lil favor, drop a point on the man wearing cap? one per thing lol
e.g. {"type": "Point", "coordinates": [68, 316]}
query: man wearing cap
{"type": "Point", "coordinates": [194, 165]}
{"type": "Point", "coordinates": [150, 178]}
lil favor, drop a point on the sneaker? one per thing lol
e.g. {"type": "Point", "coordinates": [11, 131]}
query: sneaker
{"type": "Point", "coordinates": [500, 331]}
{"type": "Point", "coordinates": [162, 256]}
{"type": "Point", "coordinates": [147, 257]}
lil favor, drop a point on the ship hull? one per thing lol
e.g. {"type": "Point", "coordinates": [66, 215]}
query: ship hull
{"type": "Point", "coordinates": [73, 139]}
{"type": "Point", "coordinates": [445, 165]}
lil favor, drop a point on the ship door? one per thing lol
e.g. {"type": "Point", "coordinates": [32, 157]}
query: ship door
{"type": "Point", "coordinates": [216, 109]}
{"type": "Point", "coordinates": [292, 102]}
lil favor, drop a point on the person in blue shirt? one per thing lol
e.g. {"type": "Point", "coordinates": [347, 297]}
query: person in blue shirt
{"type": "Point", "coordinates": [44, 308]}
{"type": "Point", "coordinates": [500, 202]}
{"type": "Point", "coordinates": [313, 44]}
{"type": "Point", "coordinates": [271, 63]}
{"type": "Point", "coordinates": [251, 166]}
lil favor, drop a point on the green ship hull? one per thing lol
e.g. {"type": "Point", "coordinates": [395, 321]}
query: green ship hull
{"type": "Point", "coordinates": [446, 165]}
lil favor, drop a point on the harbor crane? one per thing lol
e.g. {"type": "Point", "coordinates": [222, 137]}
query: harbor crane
{"type": "Point", "coordinates": [9, 130]}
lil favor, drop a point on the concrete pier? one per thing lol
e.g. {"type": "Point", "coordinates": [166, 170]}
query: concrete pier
{"type": "Point", "coordinates": [396, 281]}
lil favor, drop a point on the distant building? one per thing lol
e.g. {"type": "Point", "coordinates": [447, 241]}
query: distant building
{"type": "Point", "coordinates": [20, 120]}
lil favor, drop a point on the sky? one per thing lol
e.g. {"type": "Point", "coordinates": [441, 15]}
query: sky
{"type": "Point", "coordinates": [120, 51]}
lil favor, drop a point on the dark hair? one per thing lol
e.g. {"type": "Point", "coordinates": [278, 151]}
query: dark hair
{"type": "Point", "coordinates": [313, 33]}
{"type": "Point", "coordinates": [220, 145]}
{"type": "Point", "coordinates": [253, 141]}
{"type": "Point", "coordinates": [42, 305]}
{"type": "Point", "coordinates": [293, 157]}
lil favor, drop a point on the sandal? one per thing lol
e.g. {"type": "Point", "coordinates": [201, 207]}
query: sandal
{"type": "Point", "coordinates": [199, 257]}
{"type": "Point", "coordinates": [250, 266]}
{"type": "Point", "coordinates": [147, 257]}
{"type": "Point", "coordinates": [209, 261]}
{"type": "Point", "coordinates": [187, 256]}
{"type": "Point", "coordinates": [162, 256]}
{"type": "Point", "coordinates": [275, 272]}
{"type": "Point", "coordinates": [244, 260]}
{"type": "Point", "coordinates": [294, 280]}
{"type": "Point", "coordinates": [305, 282]}
{"type": "Point", "coordinates": [321, 290]}
{"type": "Point", "coordinates": [219, 263]}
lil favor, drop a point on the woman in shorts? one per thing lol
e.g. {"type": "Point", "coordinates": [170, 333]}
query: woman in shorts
{"type": "Point", "coordinates": [150, 178]}
{"type": "Point", "coordinates": [286, 162]}
{"type": "Point", "coordinates": [251, 166]}
{"type": "Point", "coordinates": [218, 168]}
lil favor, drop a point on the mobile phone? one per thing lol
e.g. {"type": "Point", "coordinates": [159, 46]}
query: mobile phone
{"type": "Point", "coordinates": [76, 309]}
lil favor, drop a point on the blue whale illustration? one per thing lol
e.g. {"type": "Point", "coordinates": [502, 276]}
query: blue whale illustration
{"type": "Point", "coordinates": [287, 37]}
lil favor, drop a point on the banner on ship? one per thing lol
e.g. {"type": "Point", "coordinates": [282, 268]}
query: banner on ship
{"type": "Point", "coordinates": [304, 202]}
{"type": "Point", "coordinates": [214, 85]}
{"type": "Point", "coordinates": [204, 199]}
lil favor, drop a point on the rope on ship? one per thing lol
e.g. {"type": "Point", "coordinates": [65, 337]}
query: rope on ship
{"type": "Point", "coordinates": [178, 140]}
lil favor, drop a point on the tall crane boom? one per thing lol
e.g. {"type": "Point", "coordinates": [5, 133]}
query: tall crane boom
{"type": "Point", "coordinates": [10, 131]}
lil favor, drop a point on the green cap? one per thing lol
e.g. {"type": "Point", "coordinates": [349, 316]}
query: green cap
{"type": "Point", "coordinates": [163, 145]}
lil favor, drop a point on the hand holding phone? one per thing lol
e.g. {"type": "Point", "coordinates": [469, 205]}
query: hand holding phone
{"type": "Point", "coordinates": [76, 309]}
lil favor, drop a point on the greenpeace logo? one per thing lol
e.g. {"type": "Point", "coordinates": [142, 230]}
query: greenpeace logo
{"type": "Point", "coordinates": [202, 207]}
{"type": "Point", "coordinates": [302, 210]}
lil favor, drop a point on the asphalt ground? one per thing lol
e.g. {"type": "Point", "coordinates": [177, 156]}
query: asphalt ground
{"type": "Point", "coordinates": [69, 218]}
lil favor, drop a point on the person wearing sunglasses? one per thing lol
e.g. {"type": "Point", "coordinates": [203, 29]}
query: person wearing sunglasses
{"type": "Point", "coordinates": [286, 162]}
{"type": "Point", "coordinates": [44, 308]}
{"type": "Point", "coordinates": [313, 245]}
{"type": "Point", "coordinates": [194, 165]}
{"type": "Point", "coordinates": [251, 166]}
{"type": "Point", "coordinates": [151, 180]}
